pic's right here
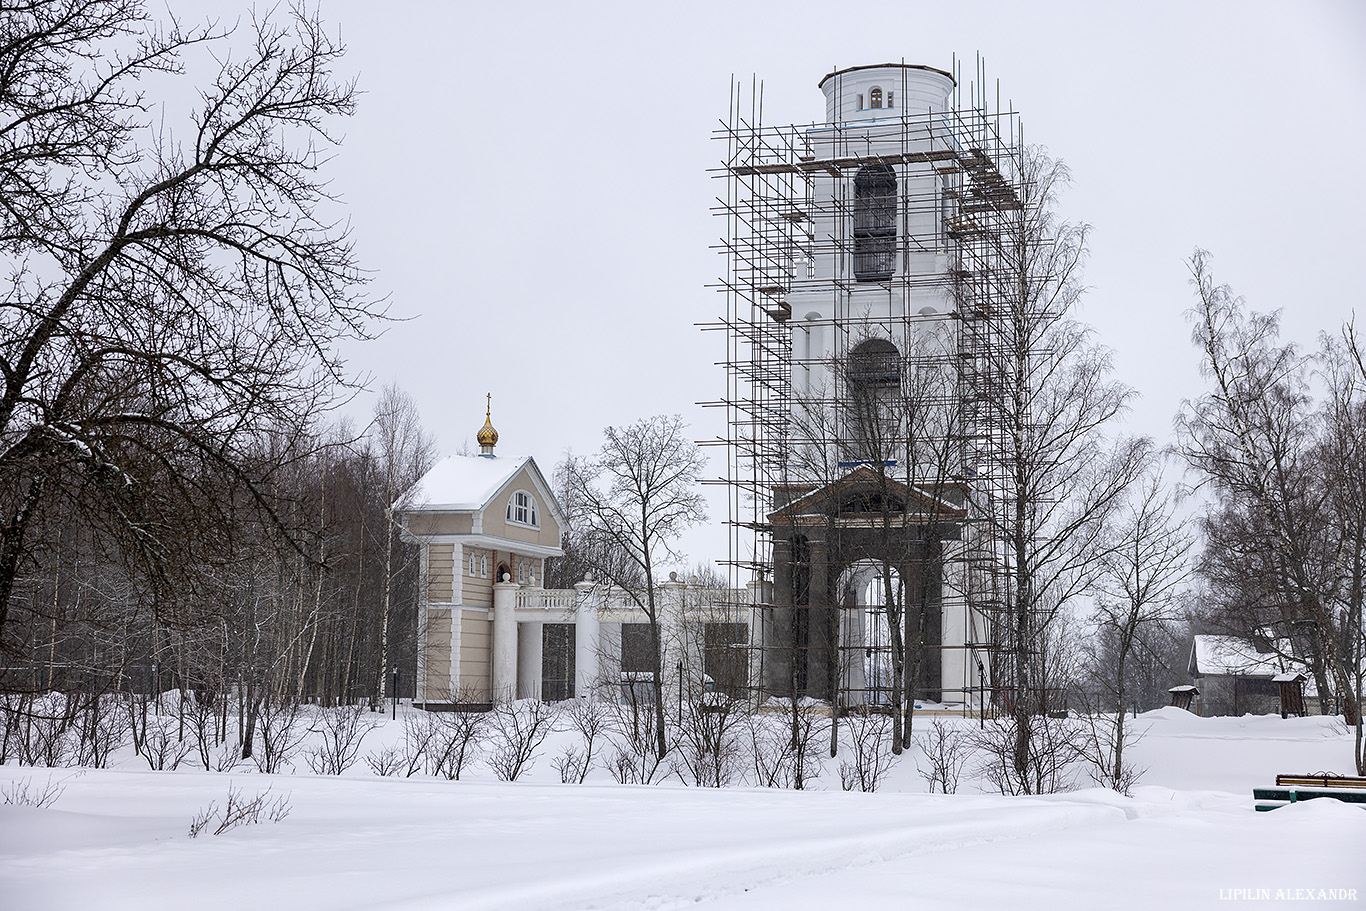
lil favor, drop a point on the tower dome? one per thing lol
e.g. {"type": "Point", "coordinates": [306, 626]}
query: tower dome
{"type": "Point", "coordinates": [487, 436]}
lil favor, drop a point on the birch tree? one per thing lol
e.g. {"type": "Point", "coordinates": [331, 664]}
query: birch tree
{"type": "Point", "coordinates": [1287, 539]}
{"type": "Point", "coordinates": [1055, 474]}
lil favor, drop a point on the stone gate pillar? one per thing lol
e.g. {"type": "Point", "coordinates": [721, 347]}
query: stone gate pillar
{"type": "Point", "coordinates": [504, 639]}
{"type": "Point", "coordinates": [587, 634]}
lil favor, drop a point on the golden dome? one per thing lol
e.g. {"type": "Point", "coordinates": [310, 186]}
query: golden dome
{"type": "Point", "coordinates": [487, 436]}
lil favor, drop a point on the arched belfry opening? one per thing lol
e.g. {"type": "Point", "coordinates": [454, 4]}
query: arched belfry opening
{"type": "Point", "coordinates": [871, 428]}
{"type": "Point", "coordinates": [874, 223]}
{"type": "Point", "coordinates": [875, 363]}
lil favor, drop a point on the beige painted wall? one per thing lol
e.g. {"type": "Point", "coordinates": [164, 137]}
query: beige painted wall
{"type": "Point", "coordinates": [477, 589]}
{"type": "Point", "coordinates": [440, 523]}
{"type": "Point", "coordinates": [439, 567]}
{"type": "Point", "coordinates": [438, 655]}
{"type": "Point", "coordinates": [475, 655]}
{"type": "Point", "coordinates": [495, 516]}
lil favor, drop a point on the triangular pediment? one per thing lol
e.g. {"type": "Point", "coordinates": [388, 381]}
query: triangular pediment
{"type": "Point", "coordinates": [864, 490]}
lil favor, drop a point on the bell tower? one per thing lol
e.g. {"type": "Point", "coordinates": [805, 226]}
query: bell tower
{"type": "Point", "coordinates": [861, 257]}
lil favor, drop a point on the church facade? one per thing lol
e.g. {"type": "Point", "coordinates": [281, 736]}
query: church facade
{"type": "Point", "coordinates": [490, 632]}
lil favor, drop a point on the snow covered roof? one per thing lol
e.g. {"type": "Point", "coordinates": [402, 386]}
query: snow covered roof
{"type": "Point", "coordinates": [463, 483]}
{"type": "Point", "coordinates": [1232, 656]}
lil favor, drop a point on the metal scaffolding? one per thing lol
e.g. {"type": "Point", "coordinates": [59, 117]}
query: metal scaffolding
{"type": "Point", "coordinates": [821, 258]}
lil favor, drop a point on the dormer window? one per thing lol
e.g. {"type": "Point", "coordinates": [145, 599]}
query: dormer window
{"type": "Point", "coordinates": [875, 97]}
{"type": "Point", "coordinates": [522, 510]}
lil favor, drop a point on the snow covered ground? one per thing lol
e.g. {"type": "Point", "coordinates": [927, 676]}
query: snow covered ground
{"type": "Point", "coordinates": [1188, 838]}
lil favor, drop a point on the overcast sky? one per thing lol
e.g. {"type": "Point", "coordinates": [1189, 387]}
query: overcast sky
{"type": "Point", "coordinates": [529, 182]}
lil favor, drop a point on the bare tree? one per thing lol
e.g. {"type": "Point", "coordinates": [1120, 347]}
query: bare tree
{"type": "Point", "coordinates": [343, 729]}
{"type": "Point", "coordinates": [1343, 454]}
{"type": "Point", "coordinates": [587, 718]}
{"type": "Point", "coordinates": [629, 503]}
{"type": "Point", "coordinates": [170, 295]}
{"type": "Point", "coordinates": [786, 752]}
{"type": "Point", "coordinates": [1144, 569]}
{"type": "Point", "coordinates": [1055, 477]}
{"type": "Point", "coordinates": [870, 736]}
{"type": "Point", "coordinates": [1287, 540]}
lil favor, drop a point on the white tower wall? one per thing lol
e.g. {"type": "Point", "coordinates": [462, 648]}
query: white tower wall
{"type": "Point", "coordinates": [827, 291]}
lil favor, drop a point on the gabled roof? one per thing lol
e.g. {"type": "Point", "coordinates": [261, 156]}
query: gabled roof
{"type": "Point", "coordinates": [1232, 656]}
{"type": "Point", "coordinates": [814, 501]}
{"type": "Point", "coordinates": [469, 483]}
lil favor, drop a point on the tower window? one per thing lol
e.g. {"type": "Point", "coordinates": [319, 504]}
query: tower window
{"type": "Point", "coordinates": [874, 223]}
{"type": "Point", "coordinates": [875, 364]}
{"type": "Point", "coordinates": [473, 572]}
{"type": "Point", "coordinates": [890, 96]}
{"type": "Point", "coordinates": [875, 97]}
{"type": "Point", "coordinates": [522, 510]}
{"type": "Point", "coordinates": [860, 101]}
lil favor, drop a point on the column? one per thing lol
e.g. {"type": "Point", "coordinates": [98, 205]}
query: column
{"type": "Point", "coordinates": [673, 642]}
{"type": "Point", "coordinates": [854, 619]}
{"type": "Point", "coordinates": [587, 633]}
{"type": "Point", "coordinates": [760, 594]}
{"type": "Point", "coordinates": [822, 624]}
{"type": "Point", "coordinates": [531, 639]}
{"type": "Point", "coordinates": [778, 638]}
{"type": "Point", "coordinates": [504, 640]}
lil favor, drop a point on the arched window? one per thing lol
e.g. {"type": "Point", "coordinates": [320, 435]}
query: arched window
{"type": "Point", "coordinates": [522, 510]}
{"type": "Point", "coordinates": [875, 364]}
{"type": "Point", "coordinates": [874, 223]}
{"type": "Point", "coordinates": [871, 428]}
{"type": "Point", "coordinates": [875, 97]}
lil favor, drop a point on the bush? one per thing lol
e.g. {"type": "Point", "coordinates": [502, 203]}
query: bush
{"type": "Point", "coordinates": [239, 811]}
{"type": "Point", "coordinates": [343, 729]}
{"type": "Point", "coordinates": [870, 735]}
{"type": "Point", "coordinates": [519, 729]}
{"type": "Point", "coordinates": [946, 750]}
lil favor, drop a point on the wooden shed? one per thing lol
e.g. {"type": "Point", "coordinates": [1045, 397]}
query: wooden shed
{"type": "Point", "coordinates": [1182, 696]}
